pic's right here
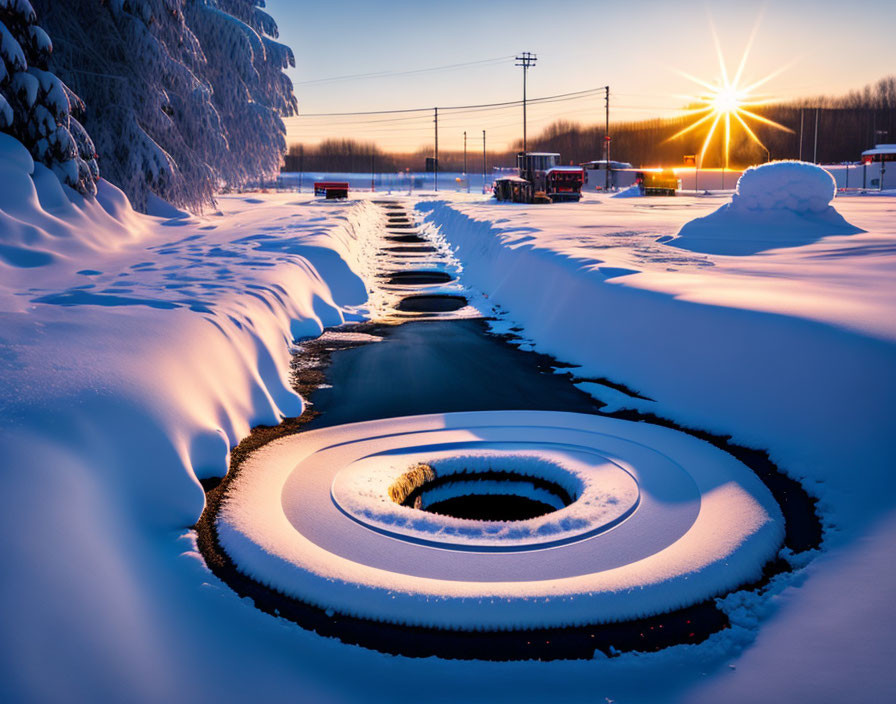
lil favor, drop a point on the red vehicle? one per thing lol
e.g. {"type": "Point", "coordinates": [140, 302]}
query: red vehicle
{"type": "Point", "coordinates": [564, 183]}
{"type": "Point", "coordinates": [541, 180]}
{"type": "Point", "coordinates": [331, 189]}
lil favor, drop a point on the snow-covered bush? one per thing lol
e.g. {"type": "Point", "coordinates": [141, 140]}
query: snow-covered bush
{"type": "Point", "coordinates": [36, 106]}
{"type": "Point", "coordinates": [780, 204]}
{"type": "Point", "coordinates": [785, 185]}
{"type": "Point", "coordinates": [184, 95]}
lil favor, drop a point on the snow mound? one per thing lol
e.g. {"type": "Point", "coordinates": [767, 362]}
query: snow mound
{"type": "Point", "coordinates": [784, 185]}
{"type": "Point", "coordinates": [697, 523]}
{"type": "Point", "coordinates": [630, 192]}
{"type": "Point", "coordinates": [780, 204]}
{"type": "Point", "coordinates": [42, 221]}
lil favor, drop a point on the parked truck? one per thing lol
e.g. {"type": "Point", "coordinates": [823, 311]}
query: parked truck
{"type": "Point", "coordinates": [541, 179]}
{"type": "Point", "coordinates": [657, 182]}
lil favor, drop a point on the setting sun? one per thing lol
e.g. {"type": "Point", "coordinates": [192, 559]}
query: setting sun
{"type": "Point", "coordinates": [726, 100]}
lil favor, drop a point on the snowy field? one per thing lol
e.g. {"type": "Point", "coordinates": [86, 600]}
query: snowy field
{"type": "Point", "coordinates": [791, 349]}
{"type": "Point", "coordinates": [136, 350]}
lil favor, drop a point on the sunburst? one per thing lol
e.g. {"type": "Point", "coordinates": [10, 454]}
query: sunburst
{"type": "Point", "coordinates": [727, 103]}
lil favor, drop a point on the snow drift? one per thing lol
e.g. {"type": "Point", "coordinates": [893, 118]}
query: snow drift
{"type": "Point", "coordinates": [792, 351]}
{"type": "Point", "coordinates": [134, 353]}
{"type": "Point", "coordinates": [42, 221]}
{"type": "Point", "coordinates": [780, 204]}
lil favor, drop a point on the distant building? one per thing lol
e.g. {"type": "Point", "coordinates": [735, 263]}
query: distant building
{"type": "Point", "coordinates": [879, 165]}
{"type": "Point", "coordinates": [700, 180]}
{"type": "Point", "coordinates": [621, 174]}
{"type": "Point", "coordinates": [876, 171]}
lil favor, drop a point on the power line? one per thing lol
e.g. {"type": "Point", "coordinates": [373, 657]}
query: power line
{"type": "Point", "coordinates": [420, 124]}
{"type": "Point", "coordinates": [455, 116]}
{"type": "Point", "coordinates": [508, 103]}
{"type": "Point", "coordinates": [390, 74]}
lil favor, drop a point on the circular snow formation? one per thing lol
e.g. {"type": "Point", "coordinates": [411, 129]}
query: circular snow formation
{"type": "Point", "coordinates": [657, 520]}
{"type": "Point", "coordinates": [785, 185]}
{"type": "Point", "coordinates": [603, 493]}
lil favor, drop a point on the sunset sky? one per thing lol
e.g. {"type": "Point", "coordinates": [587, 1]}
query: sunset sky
{"type": "Point", "coordinates": [827, 47]}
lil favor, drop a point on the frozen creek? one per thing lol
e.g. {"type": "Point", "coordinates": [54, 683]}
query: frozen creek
{"type": "Point", "coordinates": [338, 556]}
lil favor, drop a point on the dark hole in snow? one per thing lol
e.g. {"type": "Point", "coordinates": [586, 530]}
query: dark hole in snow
{"type": "Point", "coordinates": [409, 248]}
{"type": "Point", "coordinates": [419, 278]}
{"type": "Point", "coordinates": [431, 304]}
{"type": "Point", "coordinates": [491, 507]}
{"type": "Point", "coordinates": [492, 495]}
{"type": "Point", "coordinates": [406, 238]}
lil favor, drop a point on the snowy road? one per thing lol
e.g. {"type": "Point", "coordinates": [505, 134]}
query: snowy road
{"type": "Point", "coordinates": [449, 362]}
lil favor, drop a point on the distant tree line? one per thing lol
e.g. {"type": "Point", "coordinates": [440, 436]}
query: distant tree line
{"type": "Point", "coordinates": [352, 156]}
{"type": "Point", "coordinates": [847, 125]}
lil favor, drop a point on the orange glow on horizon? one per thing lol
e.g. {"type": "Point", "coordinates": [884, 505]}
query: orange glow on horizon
{"type": "Point", "coordinates": [725, 104]}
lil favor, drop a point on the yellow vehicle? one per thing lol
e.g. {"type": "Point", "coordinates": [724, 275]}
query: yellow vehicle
{"type": "Point", "coordinates": [657, 183]}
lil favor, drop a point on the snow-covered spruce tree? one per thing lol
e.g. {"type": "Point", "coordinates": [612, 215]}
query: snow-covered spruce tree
{"type": "Point", "coordinates": [36, 106]}
{"type": "Point", "coordinates": [245, 68]}
{"type": "Point", "coordinates": [139, 67]}
{"type": "Point", "coordinates": [185, 97]}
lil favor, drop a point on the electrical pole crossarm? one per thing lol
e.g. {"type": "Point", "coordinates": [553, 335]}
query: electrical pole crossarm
{"type": "Point", "coordinates": [526, 60]}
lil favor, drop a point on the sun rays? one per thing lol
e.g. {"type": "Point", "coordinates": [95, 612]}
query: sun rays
{"type": "Point", "coordinates": [726, 104]}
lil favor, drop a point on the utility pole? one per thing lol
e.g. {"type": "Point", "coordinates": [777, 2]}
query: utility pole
{"type": "Point", "coordinates": [435, 164]}
{"type": "Point", "coordinates": [372, 172]}
{"type": "Point", "coordinates": [815, 150]}
{"type": "Point", "coordinates": [881, 135]}
{"type": "Point", "coordinates": [801, 134]}
{"type": "Point", "coordinates": [607, 139]}
{"type": "Point", "coordinates": [301, 165]}
{"type": "Point", "coordinates": [466, 178]}
{"type": "Point", "coordinates": [526, 60]}
{"type": "Point", "coordinates": [483, 161]}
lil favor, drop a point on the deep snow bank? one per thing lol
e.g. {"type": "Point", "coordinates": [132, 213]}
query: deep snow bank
{"type": "Point", "coordinates": [815, 392]}
{"type": "Point", "coordinates": [43, 221]}
{"type": "Point", "coordinates": [780, 204]}
{"type": "Point", "coordinates": [134, 353]}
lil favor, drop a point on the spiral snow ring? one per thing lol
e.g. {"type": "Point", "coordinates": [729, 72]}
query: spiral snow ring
{"type": "Point", "coordinates": [605, 494]}
{"type": "Point", "coordinates": [692, 523]}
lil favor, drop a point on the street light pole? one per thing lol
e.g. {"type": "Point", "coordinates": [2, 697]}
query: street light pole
{"type": "Point", "coordinates": [526, 59]}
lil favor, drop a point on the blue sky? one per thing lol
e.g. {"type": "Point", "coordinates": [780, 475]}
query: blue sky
{"type": "Point", "coordinates": [635, 47]}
